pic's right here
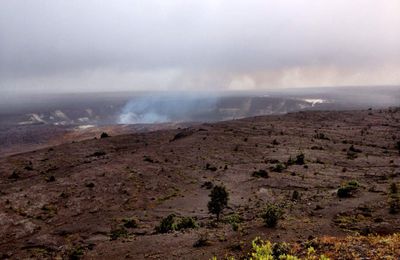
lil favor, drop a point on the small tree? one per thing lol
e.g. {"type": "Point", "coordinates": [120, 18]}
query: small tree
{"type": "Point", "coordinates": [104, 135]}
{"type": "Point", "coordinates": [219, 200]}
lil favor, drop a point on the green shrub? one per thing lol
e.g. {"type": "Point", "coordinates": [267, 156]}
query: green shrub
{"type": "Point", "coordinates": [279, 249]}
{"type": "Point", "coordinates": [234, 220]}
{"type": "Point", "coordinates": [119, 232]}
{"type": "Point", "coordinates": [265, 250]}
{"type": "Point", "coordinates": [295, 195]}
{"type": "Point", "coordinates": [260, 173]}
{"type": "Point", "coordinates": [235, 226]}
{"type": "Point", "coordinates": [99, 153]}
{"type": "Point", "coordinates": [268, 251]}
{"type": "Point", "coordinates": [279, 167]}
{"type": "Point", "coordinates": [208, 185]}
{"type": "Point", "coordinates": [353, 183]}
{"type": "Point", "coordinates": [351, 155]}
{"type": "Point", "coordinates": [130, 223]}
{"type": "Point", "coordinates": [348, 189]}
{"type": "Point", "coordinates": [170, 223]}
{"type": "Point", "coordinates": [148, 159]}
{"type": "Point", "coordinates": [104, 135]}
{"type": "Point", "coordinates": [186, 222]}
{"type": "Point", "coordinates": [344, 192]}
{"type": "Point", "coordinates": [300, 159]}
{"type": "Point", "coordinates": [271, 215]}
{"type": "Point", "coordinates": [167, 224]}
{"type": "Point", "coordinates": [210, 168]}
{"type": "Point", "coordinates": [76, 253]}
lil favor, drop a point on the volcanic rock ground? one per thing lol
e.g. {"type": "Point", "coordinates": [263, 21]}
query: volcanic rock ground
{"type": "Point", "coordinates": [70, 198]}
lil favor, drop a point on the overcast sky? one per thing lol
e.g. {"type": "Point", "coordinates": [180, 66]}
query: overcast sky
{"type": "Point", "coordinates": [91, 45]}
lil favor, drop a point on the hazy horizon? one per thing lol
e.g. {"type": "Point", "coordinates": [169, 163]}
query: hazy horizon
{"type": "Point", "coordinates": [101, 46]}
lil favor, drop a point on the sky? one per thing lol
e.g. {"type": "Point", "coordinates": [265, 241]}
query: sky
{"type": "Point", "coordinates": [119, 45]}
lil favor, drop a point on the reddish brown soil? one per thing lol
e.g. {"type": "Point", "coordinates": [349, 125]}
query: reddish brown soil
{"type": "Point", "coordinates": [25, 138]}
{"type": "Point", "coordinates": [69, 199]}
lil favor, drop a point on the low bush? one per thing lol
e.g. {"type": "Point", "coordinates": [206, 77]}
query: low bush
{"type": "Point", "coordinates": [76, 253]}
{"type": "Point", "coordinates": [279, 167]}
{"type": "Point", "coordinates": [186, 222]}
{"type": "Point", "coordinates": [210, 168]}
{"type": "Point", "coordinates": [99, 153]}
{"type": "Point", "coordinates": [104, 135]}
{"type": "Point", "coordinates": [130, 223]}
{"type": "Point", "coordinates": [171, 223]}
{"type": "Point", "coordinates": [117, 233]}
{"type": "Point", "coordinates": [260, 173]}
{"type": "Point", "coordinates": [235, 226]}
{"type": "Point", "coordinates": [271, 215]}
{"type": "Point", "coordinates": [265, 250]}
{"type": "Point", "coordinates": [234, 220]}
{"type": "Point", "coordinates": [280, 249]}
{"type": "Point", "coordinates": [349, 247]}
{"type": "Point", "coordinates": [347, 190]}
{"type": "Point", "coordinates": [351, 155]}
{"type": "Point", "coordinates": [321, 136]}
{"type": "Point", "coordinates": [167, 224]}
{"type": "Point", "coordinates": [295, 195]}
{"type": "Point", "coordinates": [299, 160]}
{"type": "Point", "coordinates": [89, 185]}
{"type": "Point", "coordinates": [148, 159]}
{"type": "Point", "coordinates": [208, 185]}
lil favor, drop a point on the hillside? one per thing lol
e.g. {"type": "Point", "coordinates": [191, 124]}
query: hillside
{"type": "Point", "coordinates": [103, 198]}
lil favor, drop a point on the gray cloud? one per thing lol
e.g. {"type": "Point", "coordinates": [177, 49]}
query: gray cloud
{"type": "Point", "coordinates": [98, 45]}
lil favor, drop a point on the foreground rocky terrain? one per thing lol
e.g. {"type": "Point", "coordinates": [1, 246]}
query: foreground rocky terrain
{"type": "Point", "coordinates": [103, 198]}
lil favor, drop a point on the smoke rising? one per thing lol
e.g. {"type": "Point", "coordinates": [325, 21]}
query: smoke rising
{"type": "Point", "coordinates": [167, 108]}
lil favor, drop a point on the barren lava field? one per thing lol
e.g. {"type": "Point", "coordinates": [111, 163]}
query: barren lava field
{"type": "Point", "coordinates": [103, 198]}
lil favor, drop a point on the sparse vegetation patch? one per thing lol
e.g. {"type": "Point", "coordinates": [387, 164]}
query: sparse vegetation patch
{"type": "Point", "coordinates": [348, 190]}
{"type": "Point", "coordinates": [271, 215]}
{"type": "Point", "coordinates": [260, 173]}
{"type": "Point", "coordinates": [279, 167]}
{"type": "Point", "coordinates": [172, 222]}
{"type": "Point", "coordinates": [167, 224]}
